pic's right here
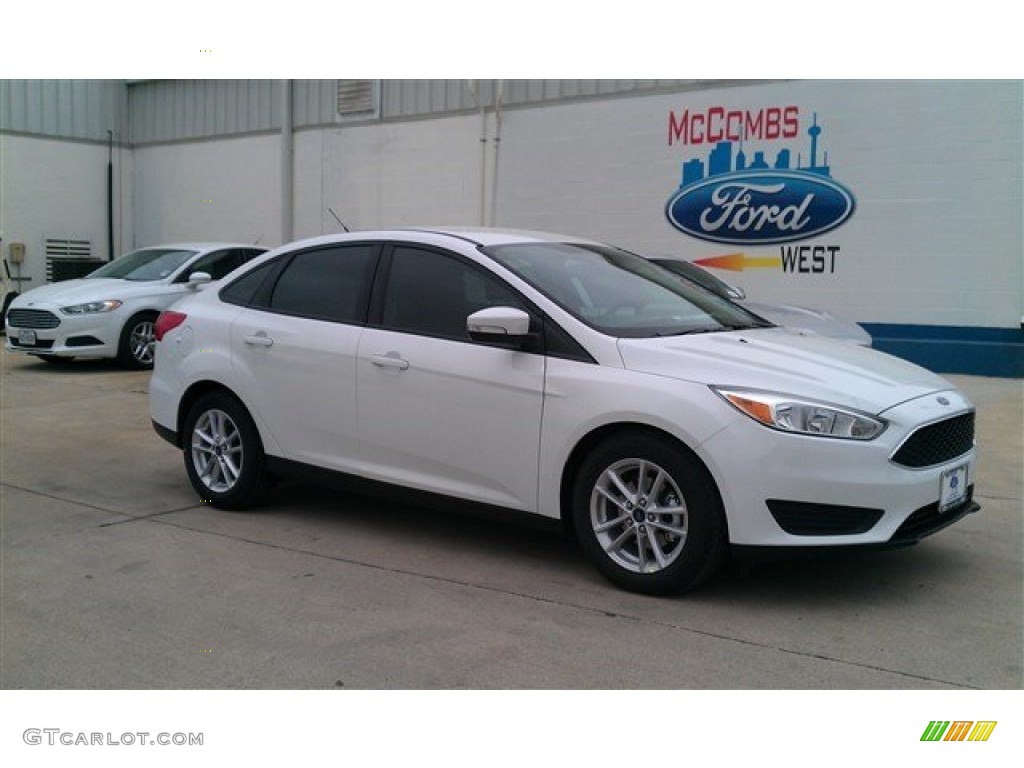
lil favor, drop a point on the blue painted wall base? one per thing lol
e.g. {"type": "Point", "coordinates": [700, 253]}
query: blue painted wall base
{"type": "Point", "coordinates": [954, 349]}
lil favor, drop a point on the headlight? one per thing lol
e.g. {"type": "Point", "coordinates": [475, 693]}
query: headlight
{"type": "Point", "coordinates": [803, 417]}
{"type": "Point", "coordinates": [108, 305]}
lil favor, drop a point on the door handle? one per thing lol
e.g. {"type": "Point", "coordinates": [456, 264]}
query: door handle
{"type": "Point", "coordinates": [259, 340]}
{"type": "Point", "coordinates": [390, 360]}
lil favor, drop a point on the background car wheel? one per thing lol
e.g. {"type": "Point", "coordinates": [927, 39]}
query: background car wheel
{"type": "Point", "coordinates": [135, 349]}
{"type": "Point", "coordinates": [648, 515]}
{"type": "Point", "coordinates": [223, 453]}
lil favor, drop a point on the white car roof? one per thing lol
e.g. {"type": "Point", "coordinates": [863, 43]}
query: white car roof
{"type": "Point", "coordinates": [479, 235]}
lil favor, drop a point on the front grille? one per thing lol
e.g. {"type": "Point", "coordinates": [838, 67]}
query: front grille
{"type": "Point", "coordinates": [937, 443]}
{"type": "Point", "coordinates": [32, 318]}
{"type": "Point", "coordinates": [799, 518]}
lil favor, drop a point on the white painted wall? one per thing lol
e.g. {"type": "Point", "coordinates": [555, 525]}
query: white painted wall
{"type": "Point", "coordinates": [936, 170]}
{"type": "Point", "coordinates": [226, 189]}
{"type": "Point", "coordinates": [51, 188]}
{"type": "Point", "coordinates": [398, 174]}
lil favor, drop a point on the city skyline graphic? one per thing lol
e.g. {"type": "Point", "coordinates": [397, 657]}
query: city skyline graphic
{"type": "Point", "coordinates": [721, 161]}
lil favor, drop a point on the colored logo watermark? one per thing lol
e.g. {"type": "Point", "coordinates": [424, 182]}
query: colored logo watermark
{"type": "Point", "coordinates": [738, 197]}
{"type": "Point", "coordinates": [958, 730]}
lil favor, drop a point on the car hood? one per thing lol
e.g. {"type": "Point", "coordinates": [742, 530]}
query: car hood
{"type": "Point", "coordinates": [780, 360]}
{"type": "Point", "coordinates": [78, 291]}
{"type": "Point", "coordinates": [814, 321]}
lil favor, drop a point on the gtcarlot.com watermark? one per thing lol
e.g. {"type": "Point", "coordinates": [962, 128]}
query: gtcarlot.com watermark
{"type": "Point", "coordinates": [56, 737]}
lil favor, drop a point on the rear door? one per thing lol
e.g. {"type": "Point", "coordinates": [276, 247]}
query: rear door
{"type": "Point", "coordinates": [295, 351]}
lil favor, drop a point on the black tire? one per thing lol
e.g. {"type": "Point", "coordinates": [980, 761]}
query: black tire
{"type": "Point", "coordinates": [136, 346]}
{"type": "Point", "coordinates": [223, 452]}
{"type": "Point", "coordinates": [648, 514]}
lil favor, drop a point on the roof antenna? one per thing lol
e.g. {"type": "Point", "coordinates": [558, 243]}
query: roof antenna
{"type": "Point", "coordinates": [342, 223]}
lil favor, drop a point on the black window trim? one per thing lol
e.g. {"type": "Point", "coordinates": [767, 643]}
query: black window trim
{"type": "Point", "coordinates": [261, 297]}
{"type": "Point", "coordinates": [540, 322]}
{"type": "Point", "coordinates": [372, 302]}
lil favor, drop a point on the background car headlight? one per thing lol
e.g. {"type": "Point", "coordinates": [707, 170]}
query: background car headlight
{"type": "Point", "coordinates": [804, 417]}
{"type": "Point", "coordinates": [107, 305]}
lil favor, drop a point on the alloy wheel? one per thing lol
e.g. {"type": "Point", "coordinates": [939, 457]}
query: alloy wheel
{"type": "Point", "coordinates": [141, 342]}
{"type": "Point", "coordinates": [217, 453]}
{"type": "Point", "coordinates": [638, 515]}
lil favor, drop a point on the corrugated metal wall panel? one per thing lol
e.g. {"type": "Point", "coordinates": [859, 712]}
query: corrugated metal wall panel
{"type": "Point", "coordinates": [540, 91]}
{"type": "Point", "coordinates": [72, 109]}
{"type": "Point", "coordinates": [175, 110]}
{"type": "Point", "coordinates": [412, 98]}
{"type": "Point", "coordinates": [315, 102]}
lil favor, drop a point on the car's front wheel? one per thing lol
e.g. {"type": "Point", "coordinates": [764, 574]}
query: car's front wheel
{"type": "Point", "coordinates": [136, 346]}
{"type": "Point", "coordinates": [648, 514]}
{"type": "Point", "coordinates": [223, 452]}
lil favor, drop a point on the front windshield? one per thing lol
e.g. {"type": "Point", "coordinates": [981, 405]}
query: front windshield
{"type": "Point", "coordinates": [620, 293]}
{"type": "Point", "coordinates": [147, 264]}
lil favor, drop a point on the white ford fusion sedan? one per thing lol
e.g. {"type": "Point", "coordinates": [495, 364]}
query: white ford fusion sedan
{"type": "Point", "coordinates": [110, 312]}
{"type": "Point", "coordinates": [559, 377]}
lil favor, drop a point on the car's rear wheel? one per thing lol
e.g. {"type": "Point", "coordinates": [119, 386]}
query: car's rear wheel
{"type": "Point", "coordinates": [223, 452]}
{"type": "Point", "coordinates": [648, 514]}
{"type": "Point", "coordinates": [137, 343]}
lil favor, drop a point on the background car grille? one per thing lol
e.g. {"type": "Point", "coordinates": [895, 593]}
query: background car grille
{"type": "Point", "coordinates": [32, 318]}
{"type": "Point", "coordinates": [937, 442]}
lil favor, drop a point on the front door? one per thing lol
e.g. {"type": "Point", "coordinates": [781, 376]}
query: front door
{"type": "Point", "coordinates": [437, 411]}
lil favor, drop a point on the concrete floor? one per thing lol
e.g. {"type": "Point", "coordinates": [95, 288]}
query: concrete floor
{"type": "Point", "coordinates": [116, 577]}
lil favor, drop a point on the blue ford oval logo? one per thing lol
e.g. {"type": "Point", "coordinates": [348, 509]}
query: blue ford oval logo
{"type": "Point", "coordinates": [760, 207]}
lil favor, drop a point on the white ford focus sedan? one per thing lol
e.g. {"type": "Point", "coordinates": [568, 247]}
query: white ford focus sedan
{"type": "Point", "coordinates": [559, 377]}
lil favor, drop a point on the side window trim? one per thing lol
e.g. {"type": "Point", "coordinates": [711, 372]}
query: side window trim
{"type": "Point", "coordinates": [272, 267]}
{"type": "Point", "coordinates": [378, 293]}
{"type": "Point", "coordinates": [538, 319]}
{"type": "Point", "coordinates": [196, 265]}
{"type": "Point", "coordinates": [262, 299]}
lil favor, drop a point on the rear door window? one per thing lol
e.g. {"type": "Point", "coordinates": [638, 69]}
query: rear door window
{"type": "Point", "coordinates": [326, 284]}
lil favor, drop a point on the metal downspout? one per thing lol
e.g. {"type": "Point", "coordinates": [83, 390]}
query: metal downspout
{"type": "Point", "coordinates": [474, 92]}
{"type": "Point", "coordinates": [499, 93]}
{"type": "Point", "coordinates": [287, 163]}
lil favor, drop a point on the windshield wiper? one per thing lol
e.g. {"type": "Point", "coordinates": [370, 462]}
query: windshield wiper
{"type": "Point", "coordinates": [692, 331]}
{"type": "Point", "coordinates": [715, 329]}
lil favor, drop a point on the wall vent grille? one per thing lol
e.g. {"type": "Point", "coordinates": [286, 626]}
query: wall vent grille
{"type": "Point", "coordinates": [59, 250]}
{"type": "Point", "coordinates": [358, 99]}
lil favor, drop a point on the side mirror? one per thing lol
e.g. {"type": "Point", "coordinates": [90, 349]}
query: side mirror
{"type": "Point", "coordinates": [500, 327]}
{"type": "Point", "coordinates": [197, 279]}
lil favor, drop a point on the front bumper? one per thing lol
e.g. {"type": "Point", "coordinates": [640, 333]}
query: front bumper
{"type": "Point", "coordinates": [791, 491]}
{"type": "Point", "coordinates": [91, 336]}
